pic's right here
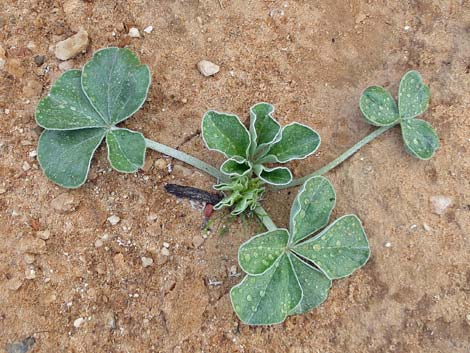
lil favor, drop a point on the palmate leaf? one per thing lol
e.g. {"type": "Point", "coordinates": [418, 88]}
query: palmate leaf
{"type": "Point", "coordinates": [85, 106]}
{"type": "Point", "coordinates": [297, 142]}
{"type": "Point", "coordinates": [272, 260]}
{"type": "Point", "coordinates": [379, 109]}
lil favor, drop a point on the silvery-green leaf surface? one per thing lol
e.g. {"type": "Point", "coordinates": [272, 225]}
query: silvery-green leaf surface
{"type": "Point", "coordinates": [67, 107]}
{"type": "Point", "coordinates": [116, 83]}
{"type": "Point", "coordinates": [65, 156]}
{"type": "Point", "coordinates": [379, 107]}
{"type": "Point", "coordinates": [236, 166]}
{"type": "Point", "coordinates": [311, 208]}
{"type": "Point", "coordinates": [266, 299]}
{"type": "Point", "coordinates": [225, 133]}
{"type": "Point", "coordinates": [338, 250]}
{"type": "Point", "coordinates": [126, 150]}
{"type": "Point", "coordinates": [419, 137]}
{"type": "Point", "coordinates": [263, 128]}
{"type": "Point", "coordinates": [297, 142]}
{"type": "Point", "coordinates": [276, 175]}
{"type": "Point", "coordinates": [413, 95]}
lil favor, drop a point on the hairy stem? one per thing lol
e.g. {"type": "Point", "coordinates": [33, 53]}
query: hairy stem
{"type": "Point", "coordinates": [263, 216]}
{"type": "Point", "coordinates": [340, 159]}
{"type": "Point", "coordinates": [186, 158]}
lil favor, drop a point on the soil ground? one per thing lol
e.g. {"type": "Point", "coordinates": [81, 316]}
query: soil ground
{"type": "Point", "coordinates": [312, 59]}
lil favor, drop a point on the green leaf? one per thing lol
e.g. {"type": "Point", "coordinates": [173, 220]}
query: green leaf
{"type": "Point", "coordinates": [315, 285]}
{"type": "Point", "coordinates": [126, 150]}
{"type": "Point", "coordinates": [419, 137]}
{"type": "Point", "coordinates": [413, 95]}
{"type": "Point", "coordinates": [379, 107]}
{"type": "Point", "coordinates": [338, 250]}
{"type": "Point", "coordinates": [225, 133]}
{"type": "Point", "coordinates": [66, 107]}
{"type": "Point", "coordinates": [235, 166]}
{"type": "Point", "coordinates": [267, 299]}
{"type": "Point", "coordinates": [276, 176]}
{"type": "Point", "coordinates": [311, 208]}
{"type": "Point", "coordinates": [297, 142]}
{"type": "Point", "coordinates": [263, 128]}
{"type": "Point", "coordinates": [65, 156]}
{"type": "Point", "coordinates": [258, 254]}
{"type": "Point", "coordinates": [116, 83]}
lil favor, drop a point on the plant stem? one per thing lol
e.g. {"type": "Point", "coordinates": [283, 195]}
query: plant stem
{"type": "Point", "coordinates": [263, 216]}
{"type": "Point", "coordinates": [186, 158]}
{"type": "Point", "coordinates": [340, 159]}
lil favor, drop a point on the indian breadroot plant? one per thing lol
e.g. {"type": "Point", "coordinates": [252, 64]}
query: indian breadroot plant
{"type": "Point", "coordinates": [288, 271]}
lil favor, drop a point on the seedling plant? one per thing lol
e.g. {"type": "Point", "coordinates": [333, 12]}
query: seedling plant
{"type": "Point", "coordinates": [288, 271]}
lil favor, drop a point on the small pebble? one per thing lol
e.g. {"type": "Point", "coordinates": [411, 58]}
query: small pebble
{"type": "Point", "coordinates": [98, 243]}
{"type": "Point", "coordinates": [440, 203]}
{"type": "Point", "coordinates": [44, 234]}
{"type": "Point", "coordinates": [72, 46]}
{"type": "Point", "coordinates": [114, 220]}
{"type": "Point", "coordinates": [110, 320]}
{"type": "Point", "coordinates": [33, 153]}
{"type": "Point", "coordinates": [197, 241]}
{"type": "Point", "coordinates": [152, 217]}
{"type": "Point", "coordinates": [160, 164]}
{"type": "Point", "coordinates": [30, 273]}
{"type": "Point", "coordinates": [147, 261]}
{"type": "Point", "coordinates": [3, 58]}
{"type": "Point", "coordinates": [388, 244]}
{"type": "Point", "coordinates": [78, 322]}
{"type": "Point", "coordinates": [28, 258]}
{"type": "Point", "coordinates": [23, 346]}
{"type": "Point", "coordinates": [134, 33]}
{"type": "Point", "coordinates": [14, 284]}
{"type": "Point", "coordinates": [64, 203]}
{"type": "Point", "coordinates": [66, 65]}
{"type": "Point", "coordinates": [427, 227]}
{"type": "Point", "coordinates": [39, 59]}
{"type": "Point", "coordinates": [25, 166]}
{"type": "Point", "coordinates": [165, 252]}
{"type": "Point", "coordinates": [148, 29]}
{"type": "Point", "coordinates": [207, 68]}
{"type": "Point", "coordinates": [166, 245]}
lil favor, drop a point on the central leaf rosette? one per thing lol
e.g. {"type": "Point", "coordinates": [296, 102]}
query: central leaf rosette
{"type": "Point", "coordinates": [289, 272]}
{"type": "Point", "coordinates": [251, 151]}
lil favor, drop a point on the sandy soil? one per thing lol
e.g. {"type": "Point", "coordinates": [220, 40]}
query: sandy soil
{"type": "Point", "coordinates": [311, 59]}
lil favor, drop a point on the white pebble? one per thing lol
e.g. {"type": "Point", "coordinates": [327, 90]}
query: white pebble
{"type": "Point", "coordinates": [166, 245]}
{"type": "Point", "coordinates": [427, 227]}
{"type": "Point", "coordinates": [78, 322]}
{"type": "Point", "coordinates": [134, 33]}
{"type": "Point", "coordinates": [165, 252]}
{"type": "Point", "coordinates": [114, 220]}
{"type": "Point", "coordinates": [388, 244]}
{"type": "Point", "coordinates": [207, 68]}
{"type": "Point", "coordinates": [441, 203]}
{"type": "Point", "coordinates": [33, 153]}
{"type": "Point", "coordinates": [72, 46]}
{"type": "Point", "coordinates": [147, 261]}
{"type": "Point", "coordinates": [148, 29]}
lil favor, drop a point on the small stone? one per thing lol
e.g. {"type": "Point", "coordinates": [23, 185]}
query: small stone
{"type": "Point", "coordinates": [182, 171]}
{"type": "Point", "coordinates": [98, 243]}
{"type": "Point", "coordinates": [30, 273]}
{"type": "Point", "coordinates": [3, 190]}
{"type": "Point", "coordinates": [427, 227]}
{"type": "Point", "coordinates": [64, 203]}
{"type": "Point", "coordinates": [152, 217]}
{"type": "Point", "coordinates": [33, 88]}
{"type": "Point", "coordinates": [25, 166]}
{"type": "Point", "coordinates": [134, 33]}
{"type": "Point", "coordinates": [14, 284]}
{"type": "Point", "coordinates": [233, 271]}
{"type": "Point", "coordinates": [207, 68]}
{"type": "Point", "coordinates": [114, 220]}
{"type": "Point", "coordinates": [39, 59]}
{"type": "Point", "coordinates": [388, 244]}
{"type": "Point", "coordinates": [148, 29]}
{"type": "Point", "coordinates": [72, 46]}
{"type": "Point", "coordinates": [166, 245]}
{"type": "Point", "coordinates": [23, 346]}
{"type": "Point", "coordinates": [3, 58]}
{"type": "Point", "coordinates": [147, 261]}
{"type": "Point", "coordinates": [44, 234]}
{"type": "Point", "coordinates": [165, 252]}
{"type": "Point", "coordinates": [198, 241]}
{"type": "Point", "coordinates": [184, 101]}
{"type": "Point", "coordinates": [440, 203]}
{"type": "Point", "coordinates": [110, 320]}
{"type": "Point", "coordinates": [33, 153]}
{"type": "Point", "coordinates": [78, 322]}
{"type": "Point", "coordinates": [28, 259]}
{"type": "Point", "coordinates": [29, 244]}
{"type": "Point", "coordinates": [160, 164]}
{"type": "Point", "coordinates": [66, 65]}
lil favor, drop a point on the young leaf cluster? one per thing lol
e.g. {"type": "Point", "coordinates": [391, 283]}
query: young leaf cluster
{"type": "Point", "coordinates": [83, 108]}
{"type": "Point", "coordinates": [288, 271]}
{"type": "Point", "coordinates": [380, 109]}
{"type": "Point", "coordinates": [249, 151]}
